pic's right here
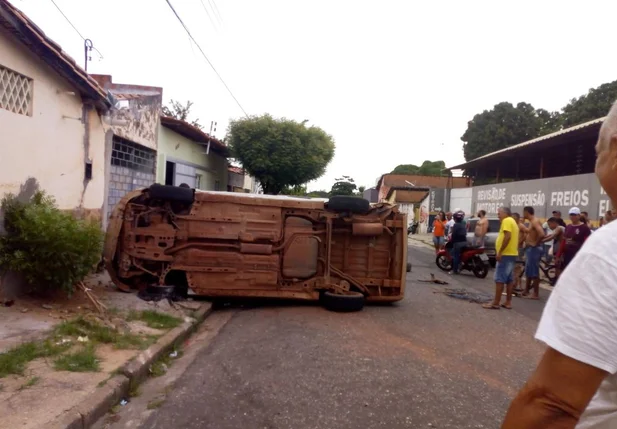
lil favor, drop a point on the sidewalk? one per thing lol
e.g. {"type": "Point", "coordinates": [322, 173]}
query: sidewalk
{"type": "Point", "coordinates": [63, 364]}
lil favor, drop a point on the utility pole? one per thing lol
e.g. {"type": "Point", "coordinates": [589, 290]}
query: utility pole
{"type": "Point", "coordinates": [87, 49]}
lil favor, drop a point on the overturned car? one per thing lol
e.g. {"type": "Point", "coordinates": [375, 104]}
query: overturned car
{"type": "Point", "coordinates": [221, 244]}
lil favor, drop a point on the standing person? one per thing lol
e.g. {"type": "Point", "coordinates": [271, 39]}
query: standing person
{"type": "Point", "coordinates": [609, 216]}
{"type": "Point", "coordinates": [555, 236]}
{"type": "Point", "coordinates": [518, 268]}
{"type": "Point", "coordinates": [533, 253]}
{"type": "Point", "coordinates": [574, 236]}
{"type": "Point", "coordinates": [449, 223]}
{"type": "Point", "coordinates": [439, 231]}
{"type": "Point", "coordinates": [575, 383]}
{"type": "Point", "coordinates": [557, 215]}
{"type": "Point", "coordinates": [585, 218]}
{"type": "Point", "coordinates": [507, 252]}
{"type": "Point", "coordinates": [481, 229]}
{"type": "Point", "coordinates": [459, 240]}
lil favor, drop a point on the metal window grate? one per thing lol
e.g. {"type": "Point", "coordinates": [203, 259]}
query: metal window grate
{"type": "Point", "coordinates": [15, 92]}
{"type": "Point", "coordinates": [133, 156]}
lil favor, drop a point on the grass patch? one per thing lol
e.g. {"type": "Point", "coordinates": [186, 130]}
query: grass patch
{"type": "Point", "coordinates": [16, 359]}
{"type": "Point", "coordinates": [31, 382]}
{"type": "Point", "coordinates": [153, 405]}
{"type": "Point", "coordinates": [83, 360]}
{"type": "Point", "coordinates": [154, 319]}
{"type": "Point", "coordinates": [103, 334]}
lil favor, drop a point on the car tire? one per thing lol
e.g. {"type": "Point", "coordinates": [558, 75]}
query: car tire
{"type": "Point", "coordinates": [343, 203]}
{"type": "Point", "coordinates": [171, 193]}
{"type": "Point", "coordinates": [353, 301]}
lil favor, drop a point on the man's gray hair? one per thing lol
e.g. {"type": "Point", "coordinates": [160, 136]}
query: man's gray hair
{"type": "Point", "coordinates": [609, 127]}
{"type": "Point", "coordinates": [506, 210]}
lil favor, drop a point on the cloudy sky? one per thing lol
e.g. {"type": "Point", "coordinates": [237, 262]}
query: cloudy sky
{"type": "Point", "coordinates": [393, 81]}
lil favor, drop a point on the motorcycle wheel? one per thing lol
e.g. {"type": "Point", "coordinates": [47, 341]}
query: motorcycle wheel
{"type": "Point", "coordinates": [443, 263]}
{"type": "Point", "coordinates": [480, 269]}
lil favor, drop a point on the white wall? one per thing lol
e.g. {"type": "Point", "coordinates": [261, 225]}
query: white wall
{"type": "Point", "coordinates": [49, 145]}
{"type": "Point", "coordinates": [460, 198]}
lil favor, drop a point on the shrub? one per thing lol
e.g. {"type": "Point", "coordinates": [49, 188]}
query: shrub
{"type": "Point", "coordinates": [50, 248]}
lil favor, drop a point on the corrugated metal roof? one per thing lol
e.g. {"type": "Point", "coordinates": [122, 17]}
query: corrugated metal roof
{"type": "Point", "coordinates": [530, 142]}
{"type": "Point", "coordinates": [20, 26]}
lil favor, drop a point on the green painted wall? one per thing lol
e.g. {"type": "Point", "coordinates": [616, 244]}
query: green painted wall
{"type": "Point", "coordinates": [174, 147]}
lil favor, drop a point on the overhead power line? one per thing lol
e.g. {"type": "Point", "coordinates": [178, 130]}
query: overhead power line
{"type": "Point", "coordinates": [206, 57]}
{"type": "Point", "coordinates": [74, 28]}
{"type": "Point", "coordinates": [208, 13]}
{"type": "Point", "coordinates": [215, 9]}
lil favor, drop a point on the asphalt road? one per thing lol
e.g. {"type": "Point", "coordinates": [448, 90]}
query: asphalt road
{"type": "Point", "coordinates": [428, 361]}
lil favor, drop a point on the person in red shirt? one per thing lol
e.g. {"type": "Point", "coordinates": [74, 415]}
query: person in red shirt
{"type": "Point", "coordinates": [573, 238]}
{"type": "Point", "coordinates": [439, 231]}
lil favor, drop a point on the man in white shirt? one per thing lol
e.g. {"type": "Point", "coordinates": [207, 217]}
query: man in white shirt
{"type": "Point", "coordinates": [575, 383]}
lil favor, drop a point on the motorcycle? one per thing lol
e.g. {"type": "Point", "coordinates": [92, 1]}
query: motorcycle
{"type": "Point", "coordinates": [472, 259]}
{"type": "Point", "coordinates": [413, 228]}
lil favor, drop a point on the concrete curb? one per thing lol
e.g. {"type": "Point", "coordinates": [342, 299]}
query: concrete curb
{"type": "Point", "coordinates": [96, 405]}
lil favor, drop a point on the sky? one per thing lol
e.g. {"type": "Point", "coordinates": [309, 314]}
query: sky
{"type": "Point", "coordinates": [393, 81]}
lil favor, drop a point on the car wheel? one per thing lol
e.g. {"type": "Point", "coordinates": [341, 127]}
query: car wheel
{"type": "Point", "coordinates": [171, 193]}
{"type": "Point", "coordinates": [343, 203]}
{"type": "Point", "coordinates": [352, 301]}
{"type": "Point", "coordinates": [443, 263]}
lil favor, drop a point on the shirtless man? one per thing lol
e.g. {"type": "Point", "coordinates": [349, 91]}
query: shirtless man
{"type": "Point", "coordinates": [533, 253]}
{"type": "Point", "coordinates": [481, 229]}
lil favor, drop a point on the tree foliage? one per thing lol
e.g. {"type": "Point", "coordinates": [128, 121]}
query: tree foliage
{"type": "Point", "coordinates": [280, 152]}
{"type": "Point", "coordinates": [343, 186]}
{"type": "Point", "coordinates": [428, 168]}
{"type": "Point", "coordinates": [505, 125]}
{"type": "Point", "coordinates": [593, 105]}
{"type": "Point", "coordinates": [180, 111]}
{"type": "Point", "coordinates": [49, 247]}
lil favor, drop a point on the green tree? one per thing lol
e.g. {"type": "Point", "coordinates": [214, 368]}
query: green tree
{"type": "Point", "coordinates": [506, 125]}
{"type": "Point", "coordinates": [428, 168]}
{"type": "Point", "coordinates": [593, 105]}
{"type": "Point", "coordinates": [361, 190]}
{"type": "Point", "coordinates": [319, 194]}
{"type": "Point", "coordinates": [177, 110]}
{"type": "Point", "coordinates": [298, 191]}
{"type": "Point", "coordinates": [343, 186]}
{"type": "Point", "coordinates": [280, 152]}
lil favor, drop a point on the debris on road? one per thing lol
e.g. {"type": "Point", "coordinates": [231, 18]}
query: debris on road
{"type": "Point", "coordinates": [173, 354]}
{"type": "Point", "coordinates": [47, 307]}
{"type": "Point", "coordinates": [124, 402]}
{"type": "Point", "coordinates": [434, 280]}
{"type": "Point", "coordinates": [474, 297]}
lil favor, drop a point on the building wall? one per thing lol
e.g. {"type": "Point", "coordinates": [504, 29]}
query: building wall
{"type": "Point", "coordinates": [137, 115]}
{"type": "Point", "coordinates": [50, 145]}
{"type": "Point", "coordinates": [177, 148]}
{"type": "Point", "coordinates": [235, 180]}
{"type": "Point", "coordinates": [544, 195]}
{"type": "Point", "coordinates": [461, 199]}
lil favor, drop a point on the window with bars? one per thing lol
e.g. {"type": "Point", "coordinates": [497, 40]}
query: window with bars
{"type": "Point", "coordinates": [15, 92]}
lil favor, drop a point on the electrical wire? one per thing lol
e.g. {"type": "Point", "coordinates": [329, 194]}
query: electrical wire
{"type": "Point", "coordinates": [206, 58]}
{"type": "Point", "coordinates": [74, 28]}
{"type": "Point", "coordinates": [215, 9]}
{"type": "Point", "coordinates": [208, 13]}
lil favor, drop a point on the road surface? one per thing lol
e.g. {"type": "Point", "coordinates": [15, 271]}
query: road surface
{"type": "Point", "coordinates": [428, 361]}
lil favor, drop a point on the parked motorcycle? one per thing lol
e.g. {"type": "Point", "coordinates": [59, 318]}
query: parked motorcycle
{"type": "Point", "coordinates": [413, 228]}
{"type": "Point", "coordinates": [472, 259]}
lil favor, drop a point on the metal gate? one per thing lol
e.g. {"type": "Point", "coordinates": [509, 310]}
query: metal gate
{"type": "Point", "coordinates": [132, 167]}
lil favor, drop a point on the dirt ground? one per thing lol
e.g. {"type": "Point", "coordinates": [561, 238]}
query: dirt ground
{"type": "Point", "coordinates": [35, 398]}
